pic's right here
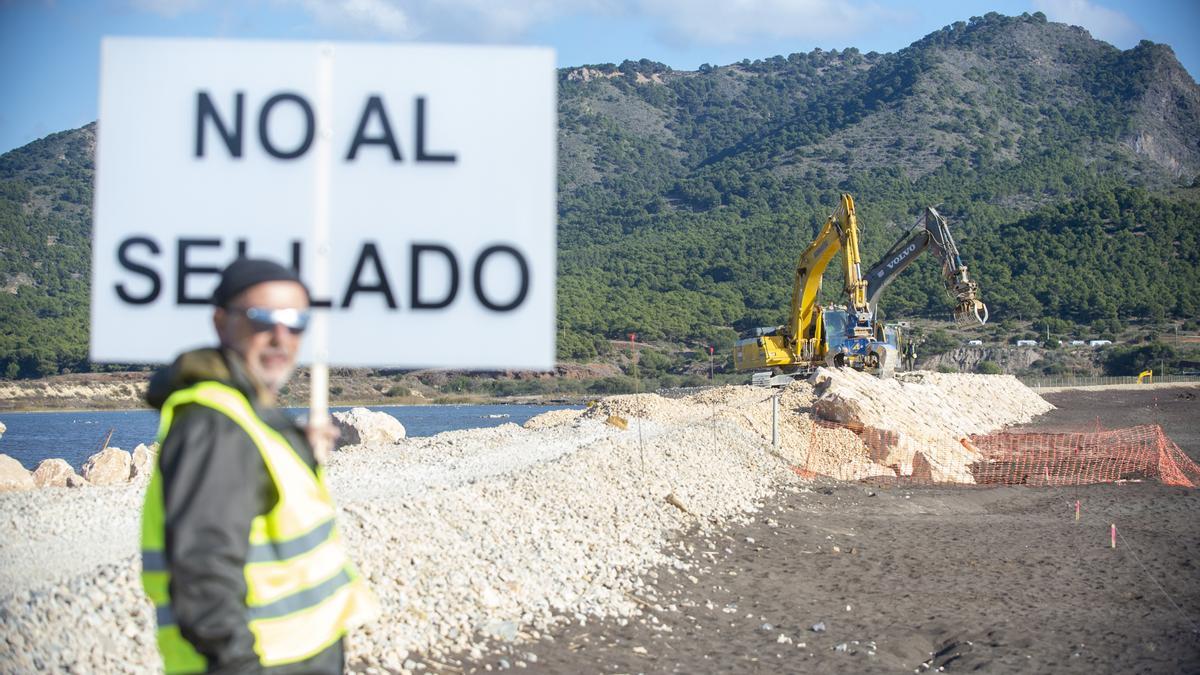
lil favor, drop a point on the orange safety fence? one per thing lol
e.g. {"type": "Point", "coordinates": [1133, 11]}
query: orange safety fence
{"type": "Point", "coordinates": [1031, 458]}
{"type": "Point", "coordinates": [1135, 453]}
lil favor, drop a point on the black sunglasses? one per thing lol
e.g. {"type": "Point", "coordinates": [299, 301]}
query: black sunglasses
{"type": "Point", "coordinates": [262, 319]}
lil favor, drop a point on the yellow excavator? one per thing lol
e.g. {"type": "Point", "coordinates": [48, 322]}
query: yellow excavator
{"type": "Point", "coordinates": [815, 335]}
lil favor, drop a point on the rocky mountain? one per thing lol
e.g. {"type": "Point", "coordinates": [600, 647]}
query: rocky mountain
{"type": "Point", "coordinates": [685, 196]}
{"type": "Point", "coordinates": [996, 88]}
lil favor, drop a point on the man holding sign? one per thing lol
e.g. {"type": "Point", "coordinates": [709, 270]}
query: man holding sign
{"type": "Point", "coordinates": [240, 552]}
{"type": "Point", "coordinates": [414, 188]}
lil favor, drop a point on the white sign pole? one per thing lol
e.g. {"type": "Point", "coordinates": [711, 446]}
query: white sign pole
{"type": "Point", "coordinates": [318, 412]}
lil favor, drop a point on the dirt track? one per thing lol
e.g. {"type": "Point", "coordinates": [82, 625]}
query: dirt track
{"type": "Point", "coordinates": [1176, 409]}
{"type": "Point", "coordinates": [903, 579]}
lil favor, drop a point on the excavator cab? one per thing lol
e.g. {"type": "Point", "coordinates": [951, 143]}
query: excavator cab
{"type": "Point", "coordinates": [847, 347]}
{"type": "Point", "coordinates": [840, 342]}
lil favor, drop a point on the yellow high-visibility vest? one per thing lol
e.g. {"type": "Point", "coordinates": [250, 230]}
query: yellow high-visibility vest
{"type": "Point", "coordinates": [302, 591]}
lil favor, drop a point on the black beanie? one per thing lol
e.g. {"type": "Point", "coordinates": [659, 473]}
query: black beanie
{"type": "Point", "coordinates": [246, 272]}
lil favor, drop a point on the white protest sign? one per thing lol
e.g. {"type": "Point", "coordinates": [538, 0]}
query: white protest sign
{"type": "Point", "coordinates": [434, 167]}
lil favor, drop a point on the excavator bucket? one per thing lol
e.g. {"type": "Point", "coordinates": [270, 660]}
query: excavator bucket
{"type": "Point", "coordinates": [885, 359]}
{"type": "Point", "coordinates": [968, 308]}
{"type": "Point", "coordinates": [970, 311]}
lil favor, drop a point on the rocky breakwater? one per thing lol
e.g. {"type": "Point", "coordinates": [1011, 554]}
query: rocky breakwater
{"type": "Point", "coordinates": [918, 425]}
{"type": "Point", "coordinates": [467, 537]}
{"type": "Point", "coordinates": [500, 534]}
{"type": "Point", "coordinates": [109, 467]}
{"type": "Point", "coordinates": [482, 535]}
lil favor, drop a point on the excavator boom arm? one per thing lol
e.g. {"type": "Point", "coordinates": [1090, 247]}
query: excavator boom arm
{"type": "Point", "coordinates": [895, 261]}
{"type": "Point", "coordinates": [855, 285]}
{"type": "Point", "coordinates": [840, 232]}
{"type": "Point", "coordinates": [807, 280]}
{"type": "Point", "coordinates": [930, 232]}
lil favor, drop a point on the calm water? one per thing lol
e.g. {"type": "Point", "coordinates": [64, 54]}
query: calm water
{"type": "Point", "coordinates": [75, 436]}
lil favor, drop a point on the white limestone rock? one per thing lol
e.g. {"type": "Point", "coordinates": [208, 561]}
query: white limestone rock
{"type": "Point", "coordinates": [111, 466]}
{"type": "Point", "coordinates": [13, 476]}
{"type": "Point", "coordinates": [54, 473]}
{"type": "Point", "coordinates": [142, 462]}
{"type": "Point", "coordinates": [365, 427]}
{"type": "Point", "coordinates": [917, 424]}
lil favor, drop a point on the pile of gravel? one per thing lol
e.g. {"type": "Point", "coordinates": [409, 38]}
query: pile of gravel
{"type": "Point", "coordinates": [919, 425]}
{"type": "Point", "coordinates": [70, 587]}
{"type": "Point", "coordinates": [522, 528]}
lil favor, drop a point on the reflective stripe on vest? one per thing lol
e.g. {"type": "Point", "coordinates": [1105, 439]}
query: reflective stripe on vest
{"type": "Point", "coordinates": [302, 592]}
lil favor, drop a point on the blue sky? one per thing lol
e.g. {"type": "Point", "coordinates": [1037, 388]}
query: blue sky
{"type": "Point", "coordinates": [50, 48]}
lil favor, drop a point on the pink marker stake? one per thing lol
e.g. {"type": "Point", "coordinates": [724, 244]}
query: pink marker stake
{"type": "Point", "coordinates": [1113, 534]}
{"type": "Point", "coordinates": [1077, 510]}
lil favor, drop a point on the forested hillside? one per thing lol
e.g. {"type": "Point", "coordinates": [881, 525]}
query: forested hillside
{"type": "Point", "coordinates": [1066, 167]}
{"type": "Point", "coordinates": [1068, 170]}
{"type": "Point", "coordinates": [45, 254]}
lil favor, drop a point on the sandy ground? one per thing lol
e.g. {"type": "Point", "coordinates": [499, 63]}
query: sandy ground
{"type": "Point", "coordinates": [856, 579]}
{"type": "Point", "coordinates": [680, 543]}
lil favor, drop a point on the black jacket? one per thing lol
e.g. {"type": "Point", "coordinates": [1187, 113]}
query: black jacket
{"type": "Point", "coordinates": [214, 483]}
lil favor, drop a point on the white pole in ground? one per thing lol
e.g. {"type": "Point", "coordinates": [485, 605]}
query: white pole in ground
{"type": "Point", "coordinates": [775, 421]}
{"type": "Point", "coordinates": [318, 410]}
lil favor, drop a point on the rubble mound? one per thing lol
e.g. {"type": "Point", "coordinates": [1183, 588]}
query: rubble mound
{"type": "Point", "coordinates": [644, 406]}
{"type": "Point", "coordinates": [552, 418]}
{"type": "Point", "coordinates": [502, 533]}
{"type": "Point", "coordinates": [916, 426]}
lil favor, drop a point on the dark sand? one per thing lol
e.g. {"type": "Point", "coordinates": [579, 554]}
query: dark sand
{"type": "Point", "coordinates": [921, 579]}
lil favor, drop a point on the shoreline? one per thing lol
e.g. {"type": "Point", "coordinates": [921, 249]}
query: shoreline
{"type": "Point", "coordinates": [80, 405]}
{"type": "Point", "coordinates": [33, 437]}
{"type": "Point", "coordinates": [75, 407]}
